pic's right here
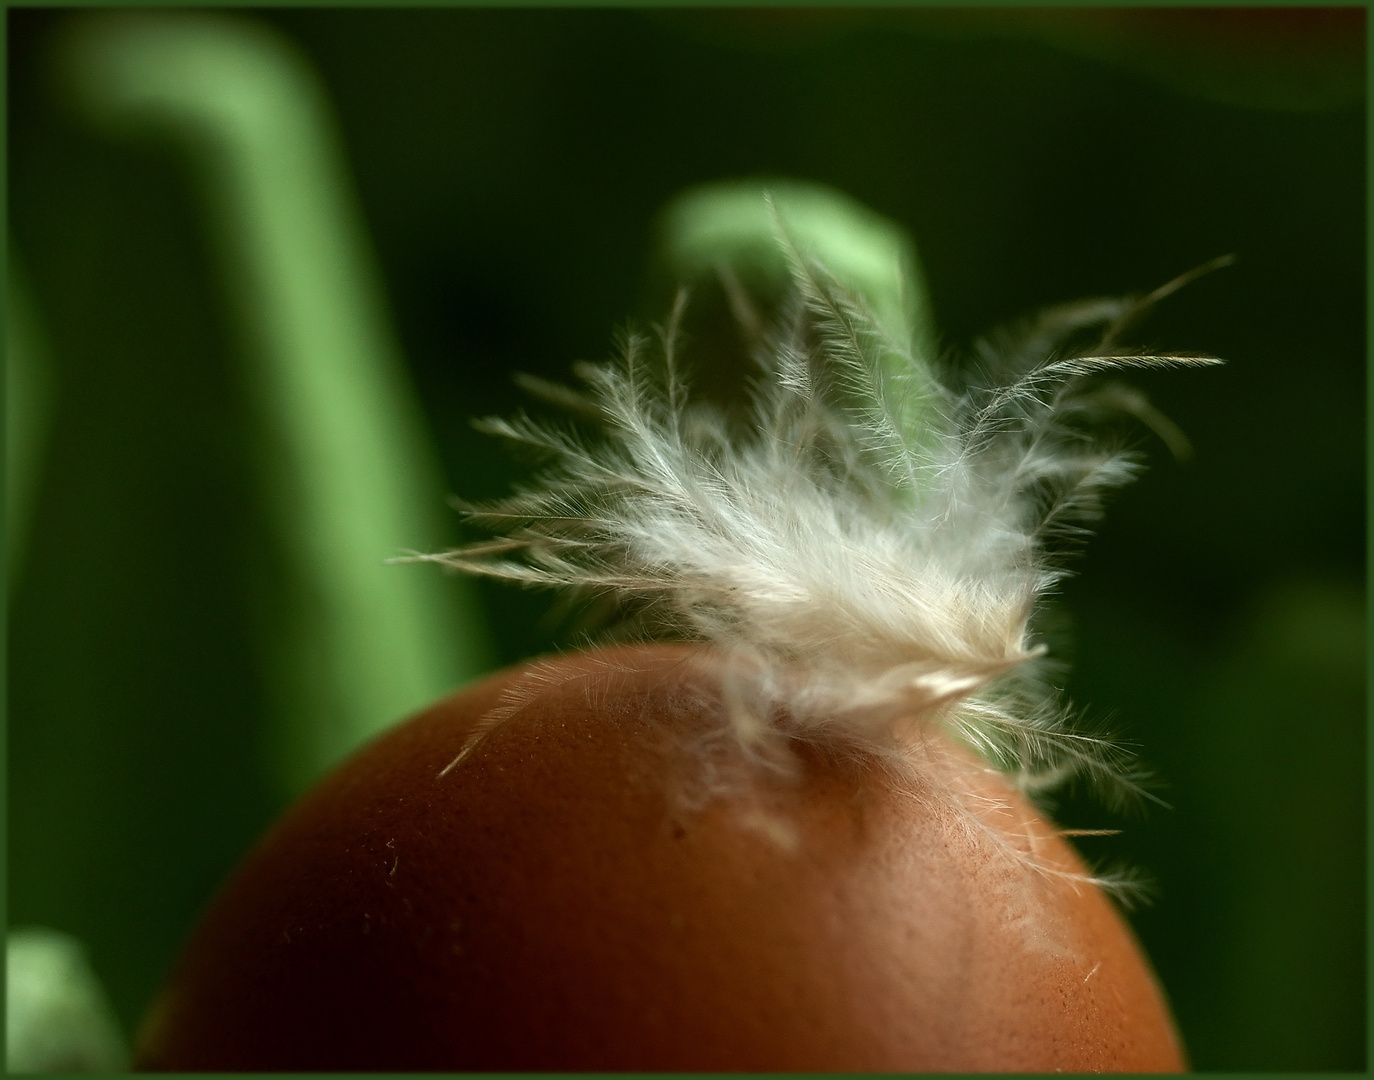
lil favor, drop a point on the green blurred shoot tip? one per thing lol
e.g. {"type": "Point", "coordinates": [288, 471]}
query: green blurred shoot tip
{"type": "Point", "coordinates": [736, 223]}
{"type": "Point", "coordinates": [348, 477]}
{"type": "Point", "coordinates": [756, 229]}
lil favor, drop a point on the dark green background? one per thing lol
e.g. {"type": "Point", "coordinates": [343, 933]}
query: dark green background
{"type": "Point", "coordinates": [510, 166]}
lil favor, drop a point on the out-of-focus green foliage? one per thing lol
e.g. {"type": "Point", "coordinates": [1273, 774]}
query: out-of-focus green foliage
{"type": "Point", "coordinates": [57, 1018]}
{"type": "Point", "coordinates": [347, 472]}
{"type": "Point", "coordinates": [749, 225]}
{"type": "Point", "coordinates": [730, 223]}
{"type": "Point", "coordinates": [511, 167]}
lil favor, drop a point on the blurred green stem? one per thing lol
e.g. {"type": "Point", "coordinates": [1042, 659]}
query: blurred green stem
{"type": "Point", "coordinates": [732, 224]}
{"type": "Point", "coordinates": [350, 478]}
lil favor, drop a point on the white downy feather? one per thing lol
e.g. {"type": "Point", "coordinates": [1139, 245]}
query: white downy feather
{"type": "Point", "coordinates": [866, 558]}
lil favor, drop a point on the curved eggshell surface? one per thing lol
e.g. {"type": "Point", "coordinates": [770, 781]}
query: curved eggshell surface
{"type": "Point", "coordinates": [570, 897]}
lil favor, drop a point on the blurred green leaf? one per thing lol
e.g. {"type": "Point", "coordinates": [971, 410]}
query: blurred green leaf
{"type": "Point", "coordinates": [349, 477]}
{"type": "Point", "coordinates": [57, 1017]}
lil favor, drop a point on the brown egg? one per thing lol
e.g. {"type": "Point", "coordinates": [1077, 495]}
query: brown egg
{"type": "Point", "coordinates": [567, 898]}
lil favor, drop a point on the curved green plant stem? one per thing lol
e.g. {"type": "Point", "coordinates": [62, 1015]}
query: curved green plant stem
{"type": "Point", "coordinates": [350, 478]}
{"type": "Point", "coordinates": [737, 224]}
{"type": "Point", "coordinates": [29, 392]}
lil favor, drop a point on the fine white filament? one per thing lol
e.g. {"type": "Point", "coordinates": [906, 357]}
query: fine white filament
{"type": "Point", "coordinates": [863, 557]}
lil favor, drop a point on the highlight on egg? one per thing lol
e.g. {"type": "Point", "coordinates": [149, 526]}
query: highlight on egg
{"type": "Point", "coordinates": [783, 814]}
